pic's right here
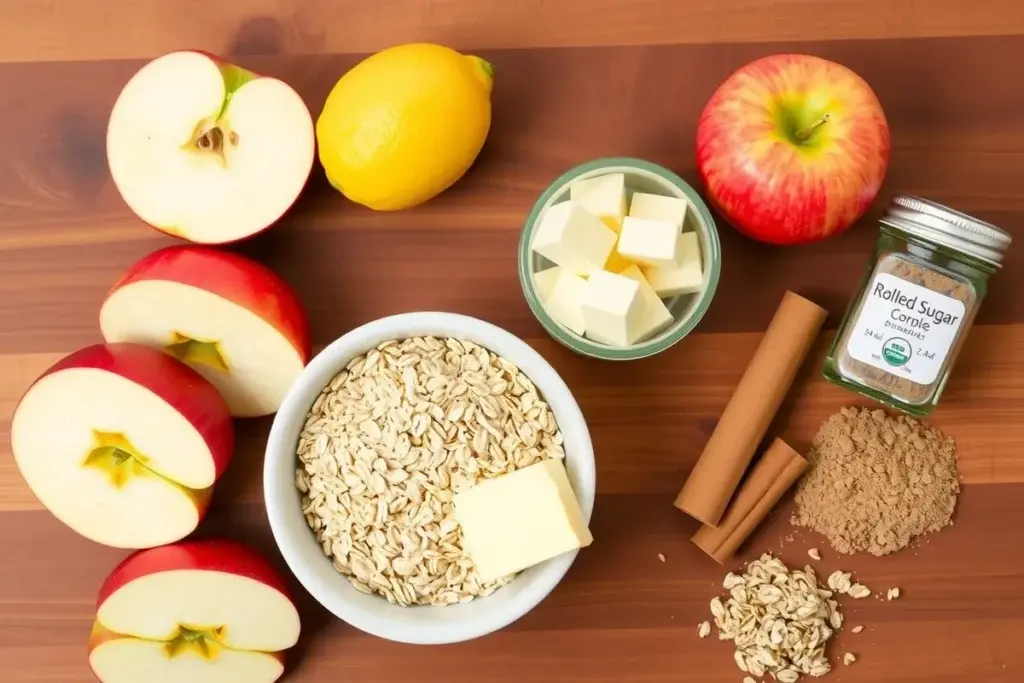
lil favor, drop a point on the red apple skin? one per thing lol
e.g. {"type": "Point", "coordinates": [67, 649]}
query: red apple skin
{"type": "Point", "coordinates": [216, 555]}
{"type": "Point", "coordinates": [177, 384]}
{"type": "Point", "coordinates": [233, 277]}
{"type": "Point", "coordinates": [167, 230]}
{"type": "Point", "coordinates": [772, 188]}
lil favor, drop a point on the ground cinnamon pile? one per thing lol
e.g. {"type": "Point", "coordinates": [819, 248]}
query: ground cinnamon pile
{"type": "Point", "coordinates": [876, 482]}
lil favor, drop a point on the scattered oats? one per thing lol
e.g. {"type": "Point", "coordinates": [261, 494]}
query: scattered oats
{"type": "Point", "coordinates": [717, 610]}
{"type": "Point", "coordinates": [814, 554]}
{"type": "Point", "coordinates": [748, 679]}
{"type": "Point", "coordinates": [893, 594]}
{"type": "Point", "coordinates": [704, 630]}
{"type": "Point", "coordinates": [661, 557]}
{"type": "Point", "coordinates": [857, 629]}
{"type": "Point", "coordinates": [839, 581]}
{"type": "Point", "coordinates": [779, 620]}
{"type": "Point", "coordinates": [732, 581]}
{"type": "Point", "coordinates": [849, 658]}
{"type": "Point", "coordinates": [820, 669]}
{"type": "Point", "coordinates": [858, 591]}
{"type": "Point", "coordinates": [387, 443]}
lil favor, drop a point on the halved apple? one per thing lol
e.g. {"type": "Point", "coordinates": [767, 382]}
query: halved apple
{"type": "Point", "coordinates": [232, 319]}
{"type": "Point", "coordinates": [123, 444]}
{"type": "Point", "coordinates": [208, 611]}
{"type": "Point", "coordinates": [207, 151]}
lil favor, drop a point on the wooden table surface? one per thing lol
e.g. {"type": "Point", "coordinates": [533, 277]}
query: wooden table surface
{"type": "Point", "coordinates": [576, 79]}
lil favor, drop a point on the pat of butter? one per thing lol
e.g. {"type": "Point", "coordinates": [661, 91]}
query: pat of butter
{"type": "Point", "coordinates": [565, 302]}
{"type": "Point", "coordinates": [685, 278]}
{"type": "Point", "coordinates": [605, 198]}
{"type": "Point", "coordinates": [649, 243]}
{"type": "Point", "coordinates": [581, 187]}
{"type": "Point", "coordinates": [655, 316]}
{"type": "Point", "coordinates": [544, 281]}
{"type": "Point", "coordinates": [573, 238]}
{"type": "Point", "coordinates": [617, 263]}
{"type": "Point", "coordinates": [518, 520]}
{"type": "Point", "coordinates": [657, 207]}
{"type": "Point", "coordinates": [612, 309]}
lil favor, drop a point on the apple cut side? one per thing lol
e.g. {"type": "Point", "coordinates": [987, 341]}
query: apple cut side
{"type": "Point", "coordinates": [207, 151]}
{"type": "Point", "coordinates": [207, 611]}
{"type": "Point", "coordinates": [230, 318]}
{"type": "Point", "coordinates": [123, 659]}
{"type": "Point", "coordinates": [123, 444]}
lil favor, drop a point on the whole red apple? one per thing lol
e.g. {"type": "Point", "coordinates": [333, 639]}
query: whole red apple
{"type": "Point", "coordinates": [792, 148]}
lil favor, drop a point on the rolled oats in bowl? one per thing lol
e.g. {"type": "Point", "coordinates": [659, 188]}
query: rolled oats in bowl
{"type": "Point", "coordinates": [387, 443]}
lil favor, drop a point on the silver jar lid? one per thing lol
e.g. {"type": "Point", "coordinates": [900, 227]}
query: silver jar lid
{"type": "Point", "coordinates": [942, 225]}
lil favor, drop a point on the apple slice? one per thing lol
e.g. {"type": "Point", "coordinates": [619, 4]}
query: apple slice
{"type": "Point", "coordinates": [123, 444]}
{"type": "Point", "coordinates": [207, 151]}
{"type": "Point", "coordinates": [206, 611]}
{"type": "Point", "coordinates": [230, 318]}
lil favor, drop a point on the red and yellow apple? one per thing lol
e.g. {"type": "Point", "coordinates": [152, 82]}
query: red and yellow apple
{"type": "Point", "coordinates": [123, 444]}
{"type": "Point", "coordinates": [209, 611]}
{"type": "Point", "coordinates": [230, 318]}
{"type": "Point", "coordinates": [208, 151]}
{"type": "Point", "coordinates": [792, 148]}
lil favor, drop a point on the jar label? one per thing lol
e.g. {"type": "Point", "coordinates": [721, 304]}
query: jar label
{"type": "Point", "coordinates": [905, 329]}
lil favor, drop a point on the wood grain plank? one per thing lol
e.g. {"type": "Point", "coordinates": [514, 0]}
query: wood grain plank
{"type": "Point", "coordinates": [659, 412]}
{"type": "Point", "coordinates": [960, 141]}
{"type": "Point", "coordinates": [958, 138]}
{"type": "Point", "coordinates": [79, 30]}
{"type": "Point", "coordinates": [617, 599]}
{"type": "Point", "coordinates": [50, 298]}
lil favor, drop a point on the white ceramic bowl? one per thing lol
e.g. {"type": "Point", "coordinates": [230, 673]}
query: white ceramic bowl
{"type": "Point", "coordinates": [374, 614]}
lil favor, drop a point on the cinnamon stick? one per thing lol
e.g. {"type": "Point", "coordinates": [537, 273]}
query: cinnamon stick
{"type": "Point", "coordinates": [751, 409]}
{"type": "Point", "coordinates": [771, 477]}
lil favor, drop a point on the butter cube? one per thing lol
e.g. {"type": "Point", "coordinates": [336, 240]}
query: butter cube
{"type": "Point", "coordinates": [544, 282]}
{"type": "Point", "coordinates": [612, 309]}
{"type": "Point", "coordinates": [656, 207]}
{"type": "Point", "coordinates": [606, 199]}
{"type": "Point", "coordinates": [647, 242]}
{"type": "Point", "coordinates": [518, 520]}
{"type": "Point", "coordinates": [616, 262]}
{"type": "Point", "coordinates": [565, 302]}
{"type": "Point", "coordinates": [685, 278]}
{"type": "Point", "coordinates": [573, 238]}
{"type": "Point", "coordinates": [581, 187]}
{"type": "Point", "coordinates": [655, 316]}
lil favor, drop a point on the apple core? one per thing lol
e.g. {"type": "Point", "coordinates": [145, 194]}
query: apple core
{"type": "Point", "coordinates": [207, 642]}
{"type": "Point", "coordinates": [113, 455]}
{"type": "Point", "coordinates": [189, 350]}
{"type": "Point", "coordinates": [213, 139]}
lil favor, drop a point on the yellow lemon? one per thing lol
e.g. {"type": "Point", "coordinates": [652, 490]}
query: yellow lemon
{"type": "Point", "coordinates": [404, 124]}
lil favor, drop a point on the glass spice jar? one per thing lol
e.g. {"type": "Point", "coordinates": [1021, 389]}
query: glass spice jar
{"type": "Point", "coordinates": [902, 332]}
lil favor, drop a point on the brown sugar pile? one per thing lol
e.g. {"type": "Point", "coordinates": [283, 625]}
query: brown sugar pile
{"type": "Point", "coordinates": [876, 482]}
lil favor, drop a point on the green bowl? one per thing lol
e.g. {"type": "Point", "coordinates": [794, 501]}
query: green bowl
{"type": "Point", "coordinates": [641, 176]}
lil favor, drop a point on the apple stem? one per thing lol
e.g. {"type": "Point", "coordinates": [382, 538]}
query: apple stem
{"type": "Point", "coordinates": [804, 135]}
